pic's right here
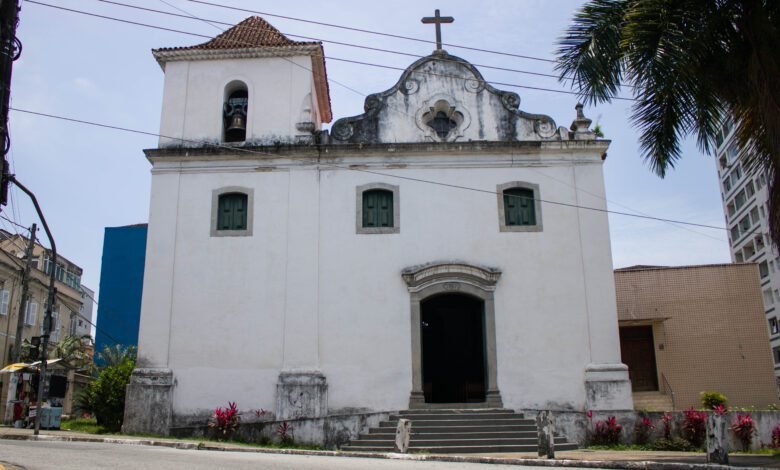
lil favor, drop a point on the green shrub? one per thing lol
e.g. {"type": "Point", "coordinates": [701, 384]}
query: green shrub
{"type": "Point", "coordinates": [710, 400]}
{"type": "Point", "coordinates": [104, 397]}
{"type": "Point", "coordinates": [675, 443]}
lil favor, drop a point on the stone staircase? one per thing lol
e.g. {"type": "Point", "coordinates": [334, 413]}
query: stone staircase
{"type": "Point", "coordinates": [457, 432]}
{"type": "Point", "coordinates": [652, 401]}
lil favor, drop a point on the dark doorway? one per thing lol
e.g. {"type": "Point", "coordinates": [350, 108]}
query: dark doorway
{"type": "Point", "coordinates": [453, 349]}
{"type": "Point", "coordinates": [637, 349]}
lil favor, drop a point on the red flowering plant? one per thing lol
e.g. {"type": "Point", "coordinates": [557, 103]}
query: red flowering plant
{"type": "Point", "coordinates": [284, 431]}
{"type": "Point", "coordinates": [744, 427]}
{"type": "Point", "coordinates": [643, 429]}
{"type": "Point", "coordinates": [694, 428]}
{"type": "Point", "coordinates": [776, 437]}
{"type": "Point", "coordinates": [607, 432]}
{"type": "Point", "coordinates": [224, 422]}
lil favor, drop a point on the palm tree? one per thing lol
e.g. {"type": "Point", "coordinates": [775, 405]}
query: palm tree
{"type": "Point", "coordinates": [689, 63]}
{"type": "Point", "coordinates": [74, 352]}
{"type": "Point", "coordinates": [116, 355]}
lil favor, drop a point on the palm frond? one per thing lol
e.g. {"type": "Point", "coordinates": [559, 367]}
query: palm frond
{"type": "Point", "coordinates": [590, 52]}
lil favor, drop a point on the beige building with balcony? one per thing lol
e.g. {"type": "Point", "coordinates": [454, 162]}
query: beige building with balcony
{"type": "Point", "coordinates": [688, 329]}
{"type": "Point", "coordinates": [66, 308]}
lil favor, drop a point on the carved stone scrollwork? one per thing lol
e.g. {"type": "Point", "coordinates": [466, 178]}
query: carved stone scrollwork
{"type": "Point", "coordinates": [451, 276]}
{"type": "Point", "coordinates": [342, 130]}
{"type": "Point", "coordinates": [511, 101]}
{"type": "Point", "coordinates": [373, 102]}
{"type": "Point", "coordinates": [410, 87]}
{"type": "Point", "coordinates": [473, 85]}
{"type": "Point", "coordinates": [544, 128]}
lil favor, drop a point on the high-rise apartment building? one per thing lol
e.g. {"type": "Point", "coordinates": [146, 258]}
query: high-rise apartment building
{"type": "Point", "coordinates": [746, 207]}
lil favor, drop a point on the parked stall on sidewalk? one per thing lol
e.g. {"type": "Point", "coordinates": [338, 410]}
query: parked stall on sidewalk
{"type": "Point", "coordinates": [22, 397]}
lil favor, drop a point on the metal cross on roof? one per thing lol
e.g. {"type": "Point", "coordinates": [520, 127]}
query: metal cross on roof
{"type": "Point", "coordinates": [438, 20]}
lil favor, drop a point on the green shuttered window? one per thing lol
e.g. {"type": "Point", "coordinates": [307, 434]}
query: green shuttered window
{"type": "Point", "coordinates": [519, 207]}
{"type": "Point", "coordinates": [377, 208]}
{"type": "Point", "coordinates": [232, 213]}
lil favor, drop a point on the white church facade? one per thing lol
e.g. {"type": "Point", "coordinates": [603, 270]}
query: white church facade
{"type": "Point", "coordinates": [438, 251]}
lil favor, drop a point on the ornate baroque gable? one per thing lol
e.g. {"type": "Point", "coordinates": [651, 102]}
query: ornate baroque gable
{"type": "Point", "coordinates": [443, 98]}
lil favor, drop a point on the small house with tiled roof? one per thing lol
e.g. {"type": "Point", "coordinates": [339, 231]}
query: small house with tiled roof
{"type": "Point", "coordinates": [443, 249]}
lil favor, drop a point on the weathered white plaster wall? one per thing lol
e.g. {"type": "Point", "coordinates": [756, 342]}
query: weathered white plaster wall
{"type": "Point", "coordinates": [194, 92]}
{"type": "Point", "coordinates": [541, 302]}
{"type": "Point", "coordinates": [305, 291]}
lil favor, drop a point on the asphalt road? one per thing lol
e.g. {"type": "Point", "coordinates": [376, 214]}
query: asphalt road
{"type": "Point", "coordinates": [35, 455]}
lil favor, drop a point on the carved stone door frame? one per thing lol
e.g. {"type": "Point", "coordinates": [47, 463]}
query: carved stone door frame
{"type": "Point", "coordinates": [448, 277]}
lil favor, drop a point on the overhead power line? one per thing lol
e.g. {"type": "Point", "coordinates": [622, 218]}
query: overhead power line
{"type": "Point", "coordinates": [205, 36]}
{"type": "Point", "coordinates": [363, 170]}
{"type": "Point", "coordinates": [378, 33]}
{"type": "Point", "coordinates": [14, 223]}
{"type": "Point", "coordinates": [330, 41]}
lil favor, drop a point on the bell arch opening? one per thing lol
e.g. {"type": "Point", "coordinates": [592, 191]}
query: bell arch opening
{"type": "Point", "coordinates": [235, 111]}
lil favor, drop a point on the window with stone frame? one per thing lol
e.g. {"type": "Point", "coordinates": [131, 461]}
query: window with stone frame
{"type": "Point", "coordinates": [231, 212]}
{"type": "Point", "coordinates": [519, 207]}
{"type": "Point", "coordinates": [377, 208]}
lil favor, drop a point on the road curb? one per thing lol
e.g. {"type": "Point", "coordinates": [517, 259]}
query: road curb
{"type": "Point", "coordinates": [616, 464]}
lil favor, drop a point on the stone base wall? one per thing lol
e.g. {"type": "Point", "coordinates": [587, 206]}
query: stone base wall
{"type": "Point", "coordinates": [148, 402]}
{"type": "Point", "coordinates": [329, 431]}
{"type": "Point", "coordinates": [575, 425]}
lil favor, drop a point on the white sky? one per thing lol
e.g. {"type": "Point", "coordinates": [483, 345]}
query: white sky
{"type": "Point", "coordinates": [88, 178]}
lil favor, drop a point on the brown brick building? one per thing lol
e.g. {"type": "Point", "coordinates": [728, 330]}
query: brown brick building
{"type": "Point", "coordinates": [688, 329]}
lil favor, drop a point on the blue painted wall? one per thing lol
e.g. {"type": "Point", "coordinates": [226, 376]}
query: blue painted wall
{"type": "Point", "coordinates": [121, 285]}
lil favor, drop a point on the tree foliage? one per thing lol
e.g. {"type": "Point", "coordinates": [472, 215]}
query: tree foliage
{"type": "Point", "coordinates": [689, 64]}
{"type": "Point", "coordinates": [105, 395]}
{"type": "Point", "coordinates": [74, 352]}
{"type": "Point", "coordinates": [116, 354]}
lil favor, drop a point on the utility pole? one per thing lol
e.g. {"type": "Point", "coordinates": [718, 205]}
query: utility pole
{"type": "Point", "coordinates": [10, 50]}
{"type": "Point", "coordinates": [23, 301]}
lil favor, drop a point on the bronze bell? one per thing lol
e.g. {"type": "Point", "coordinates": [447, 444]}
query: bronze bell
{"type": "Point", "coordinates": [237, 123]}
{"type": "Point", "coordinates": [235, 119]}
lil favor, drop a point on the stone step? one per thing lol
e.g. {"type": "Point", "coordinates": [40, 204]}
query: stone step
{"type": "Point", "coordinates": [450, 435]}
{"type": "Point", "coordinates": [457, 431]}
{"type": "Point", "coordinates": [456, 411]}
{"type": "Point", "coordinates": [449, 439]}
{"type": "Point", "coordinates": [466, 449]}
{"type": "Point", "coordinates": [423, 423]}
{"type": "Point", "coordinates": [652, 401]}
{"type": "Point", "coordinates": [464, 428]}
{"type": "Point", "coordinates": [456, 416]}
{"type": "Point", "coordinates": [451, 442]}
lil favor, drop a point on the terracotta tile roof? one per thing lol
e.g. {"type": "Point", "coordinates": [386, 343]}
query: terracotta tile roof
{"type": "Point", "coordinates": [255, 33]}
{"type": "Point", "coordinates": [252, 32]}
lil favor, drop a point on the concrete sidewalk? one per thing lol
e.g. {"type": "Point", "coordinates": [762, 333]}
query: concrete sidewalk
{"type": "Point", "coordinates": [574, 458]}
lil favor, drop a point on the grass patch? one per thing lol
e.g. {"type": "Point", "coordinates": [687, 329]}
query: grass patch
{"type": "Point", "coordinates": [86, 425]}
{"type": "Point", "coordinates": [620, 447]}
